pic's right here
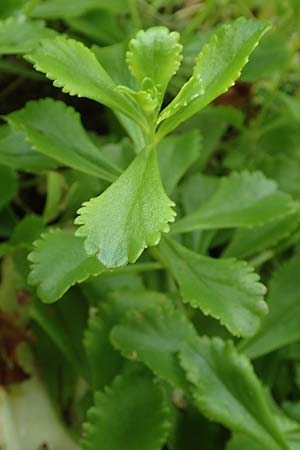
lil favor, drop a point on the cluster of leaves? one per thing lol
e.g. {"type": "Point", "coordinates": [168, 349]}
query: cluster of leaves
{"type": "Point", "coordinates": [150, 292]}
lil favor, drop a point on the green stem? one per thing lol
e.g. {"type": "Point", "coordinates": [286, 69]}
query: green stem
{"type": "Point", "coordinates": [29, 7]}
{"type": "Point", "coordinates": [134, 12]}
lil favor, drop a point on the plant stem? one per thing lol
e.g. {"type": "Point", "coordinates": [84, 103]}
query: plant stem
{"type": "Point", "coordinates": [135, 16]}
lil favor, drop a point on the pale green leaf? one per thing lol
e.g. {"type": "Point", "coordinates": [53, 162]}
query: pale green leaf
{"type": "Point", "coordinates": [226, 289]}
{"type": "Point", "coordinates": [282, 326]}
{"type": "Point", "coordinates": [217, 67]}
{"type": "Point", "coordinates": [131, 414]}
{"type": "Point", "coordinates": [226, 389]}
{"type": "Point", "coordinates": [18, 35]}
{"type": "Point", "coordinates": [153, 57]}
{"type": "Point", "coordinates": [175, 155]}
{"type": "Point", "coordinates": [17, 153]}
{"type": "Point", "coordinates": [56, 131]}
{"type": "Point", "coordinates": [240, 200]}
{"type": "Point", "coordinates": [58, 262]}
{"type": "Point", "coordinates": [129, 216]}
{"type": "Point", "coordinates": [58, 58]}
{"type": "Point", "coordinates": [8, 185]}
{"type": "Point", "coordinates": [155, 336]}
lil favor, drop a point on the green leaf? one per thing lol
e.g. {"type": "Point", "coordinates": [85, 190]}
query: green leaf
{"type": "Point", "coordinates": [226, 389]}
{"type": "Point", "coordinates": [17, 153]}
{"type": "Point", "coordinates": [58, 262]}
{"type": "Point", "coordinates": [56, 187]}
{"type": "Point", "coordinates": [27, 231]}
{"type": "Point", "coordinates": [154, 57]}
{"type": "Point", "coordinates": [217, 67]}
{"type": "Point", "coordinates": [241, 200]}
{"type": "Point", "coordinates": [155, 336]}
{"type": "Point", "coordinates": [175, 155]}
{"type": "Point", "coordinates": [112, 58]}
{"type": "Point", "coordinates": [282, 326]}
{"type": "Point", "coordinates": [226, 289]}
{"type": "Point", "coordinates": [270, 58]}
{"type": "Point", "coordinates": [104, 360]}
{"type": "Point", "coordinates": [18, 35]}
{"type": "Point", "coordinates": [246, 243]}
{"type": "Point", "coordinates": [8, 185]}
{"type": "Point", "coordinates": [56, 9]}
{"type": "Point", "coordinates": [55, 130]}
{"type": "Point", "coordinates": [58, 59]}
{"type": "Point", "coordinates": [119, 234]}
{"type": "Point", "coordinates": [65, 333]}
{"type": "Point", "coordinates": [99, 26]}
{"type": "Point", "coordinates": [131, 414]}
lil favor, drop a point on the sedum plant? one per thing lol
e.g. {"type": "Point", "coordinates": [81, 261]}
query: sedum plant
{"type": "Point", "coordinates": [138, 349]}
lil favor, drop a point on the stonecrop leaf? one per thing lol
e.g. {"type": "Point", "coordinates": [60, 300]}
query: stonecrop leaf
{"type": "Point", "coordinates": [221, 381]}
{"type": "Point", "coordinates": [60, 9]}
{"type": "Point", "coordinates": [226, 289]}
{"type": "Point", "coordinates": [154, 56]}
{"type": "Point", "coordinates": [282, 326]}
{"type": "Point", "coordinates": [59, 60]}
{"type": "Point", "coordinates": [226, 389]}
{"type": "Point", "coordinates": [155, 336]}
{"type": "Point", "coordinates": [8, 185]}
{"type": "Point", "coordinates": [248, 242]}
{"type": "Point", "coordinates": [175, 155]}
{"type": "Point", "coordinates": [217, 67]}
{"type": "Point", "coordinates": [55, 130]}
{"type": "Point", "coordinates": [131, 414]}
{"type": "Point", "coordinates": [58, 262]}
{"type": "Point", "coordinates": [241, 200]}
{"type": "Point", "coordinates": [18, 35]}
{"type": "Point", "coordinates": [104, 360]}
{"type": "Point", "coordinates": [17, 153]}
{"type": "Point", "coordinates": [129, 216]}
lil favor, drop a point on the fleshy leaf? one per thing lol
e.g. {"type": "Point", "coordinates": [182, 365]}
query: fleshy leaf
{"type": "Point", "coordinates": [248, 242]}
{"type": "Point", "coordinates": [58, 262]}
{"type": "Point", "coordinates": [282, 326]}
{"type": "Point", "coordinates": [155, 336]}
{"type": "Point", "coordinates": [15, 152]}
{"type": "Point", "coordinates": [55, 130]}
{"type": "Point", "coordinates": [59, 9]}
{"type": "Point", "coordinates": [131, 414]}
{"type": "Point", "coordinates": [104, 360]}
{"type": "Point", "coordinates": [226, 289]}
{"type": "Point", "coordinates": [58, 59]}
{"type": "Point", "coordinates": [217, 67]}
{"type": "Point", "coordinates": [153, 58]}
{"type": "Point", "coordinates": [129, 216]}
{"type": "Point", "coordinates": [226, 389]}
{"type": "Point", "coordinates": [18, 35]}
{"type": "Point", "coordinates": [240, 200]}
{"type": "Point", "coordinates": [8, 185]}
{"type": "Point", "coordinates": [175, 155]}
